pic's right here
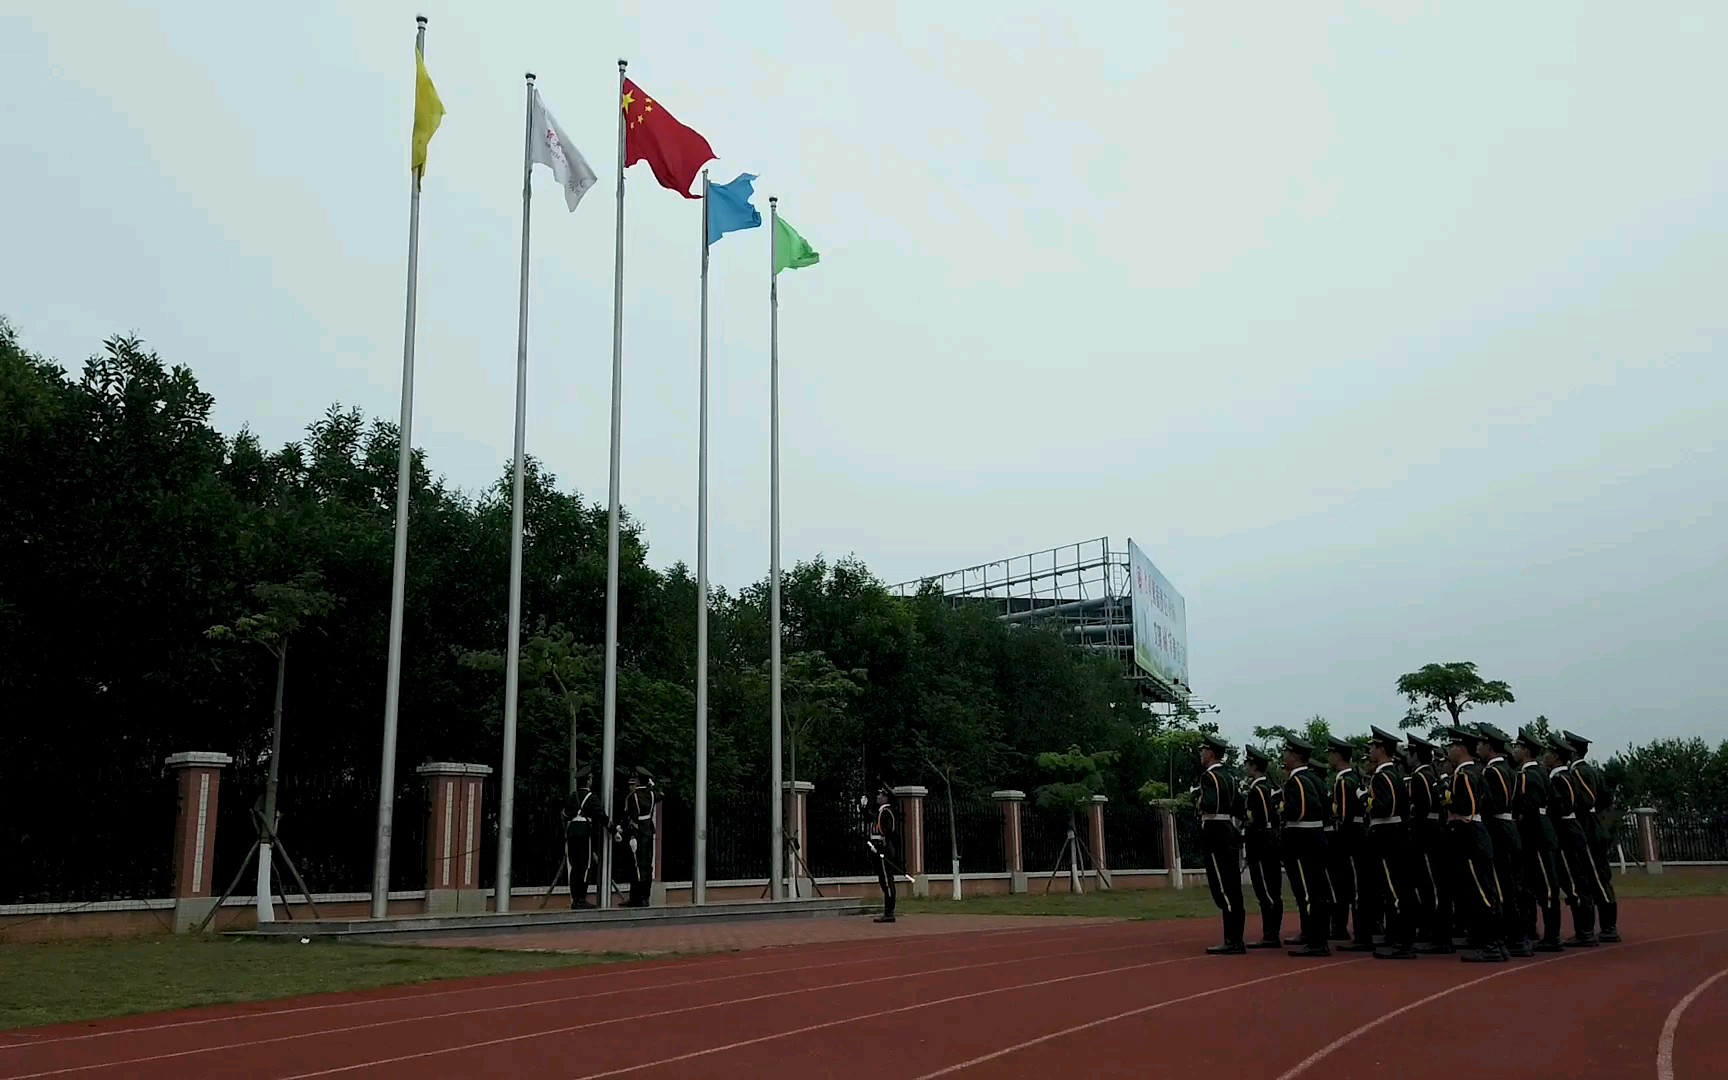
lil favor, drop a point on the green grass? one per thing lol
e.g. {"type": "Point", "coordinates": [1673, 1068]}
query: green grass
{"type": "Point", "coordinates": [58, 983]}
{"type": "Point", "coordinates": [1196, 900]}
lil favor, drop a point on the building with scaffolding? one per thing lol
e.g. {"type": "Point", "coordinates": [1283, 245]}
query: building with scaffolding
{"type": "Point", "coordinates": [1109, 601]}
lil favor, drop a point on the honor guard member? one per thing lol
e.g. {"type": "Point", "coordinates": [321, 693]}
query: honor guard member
{"type": "Point", "coordinates": [1428, 859]}
{"type": "Point", "coordinates": [1388, 810]}
{"type": "Point", "coordinates": [1472, 850]}
{"type": "Point", "coordinates": [1304, 842]}
{"type": "Point", "coordinates": [1499, 781]}
{"type": "Point", "coordinates": [1599, 829]}
{"type": "Point", "coordinates": [1260, 806]}
{"type": "Point", "coordinates": [883, 836]}
{"type": "Point", "coordinates": [584, 832]}
{"type": "Point", "coordinates": [1218, 800]}
{"type": "Point", "coordinates": [638, 825]}
{"type": "Point", "coordinates": [1577, 872]}
{"type": "Point", "coordinates": [1536, 835]}
{"type": "Point", "coordinates": [1347, 852]}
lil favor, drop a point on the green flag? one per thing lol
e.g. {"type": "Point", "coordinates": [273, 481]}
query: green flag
{"type": "Point", "coordinates": [791, 251]}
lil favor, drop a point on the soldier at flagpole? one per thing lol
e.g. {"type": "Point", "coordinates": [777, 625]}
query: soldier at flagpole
{"type": "Point", "coordinates": [584, 833]}
{"type": "Point", "coordinates": [1598, 832]}
{"type": "Point", "coordinates": [1218, 800]}
{"type": "Point", "coordinates": [882, 835]}
{"type": "Point", "coordinates": [1262, 847]}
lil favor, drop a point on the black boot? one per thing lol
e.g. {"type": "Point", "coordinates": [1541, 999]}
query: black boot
{"type": "Point", "coordinates": [1610, 922]}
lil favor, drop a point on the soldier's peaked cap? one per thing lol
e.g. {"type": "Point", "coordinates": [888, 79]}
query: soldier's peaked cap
{"type": "Point", "coordinates": [1340, 746]}
{"type": "Point", "coordinates": [1578, 741]}
{"type": "Point", "coordinates": [1492, 734]}
{"type": "Point", "coordinates": [1254, 753]}
{"type": "Point", "coordinates": [1558, 744]}
{"type": "Point", "coordinates": [1297, 745]}
{"type": "Point", "coordinates": [1417, 742]}
{"type": "Point", "coordinates": [1384, 738]}
{"type": "Point", "coordinates": [584, 772]}
{"type": "Point", "coordinates": [1217, 743]}
{"type": "Point", "coordinates": [1460, 734]}
{"type": "Point", "coordinates": [1529, 738]}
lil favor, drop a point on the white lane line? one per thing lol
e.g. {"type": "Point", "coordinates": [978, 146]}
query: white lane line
{"type": "Point", "coordinates": [1325, 1051]}
{"type": "Point", "coordinates": [246, 1043]}
{"type": "Point", "coordinates": [886, 1012]}
{"type": "Point", "coordinates": [1077, 1028]}
{"type": "Point", "coordinates": [1665, 1047]}
{"type": "Point", "coordinates": [263, 1010]}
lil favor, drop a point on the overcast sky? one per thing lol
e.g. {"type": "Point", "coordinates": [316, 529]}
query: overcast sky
{"type": "Point", "coordinates": [1394, 333]}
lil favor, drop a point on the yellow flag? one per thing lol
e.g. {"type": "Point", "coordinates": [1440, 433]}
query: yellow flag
{"type": "Point", "coordinates": [428, 111]}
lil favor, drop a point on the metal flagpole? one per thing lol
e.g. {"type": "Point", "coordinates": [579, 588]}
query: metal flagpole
{"type": "Point", "coordinates": [699, 867]}
{"type": "Point", "coordinates": [609, 722]}
{"type": "Point", "coordinates": [775, 856]}
{"type": "Point", "coordinates": [513, 650]}
{"type": "Point", "coordinates": [398, 575]}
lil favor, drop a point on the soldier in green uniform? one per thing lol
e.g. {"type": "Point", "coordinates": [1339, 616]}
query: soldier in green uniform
{"type": "Point", "coordinates": [1304, 842]}
{"type": "Point", "coordinates": [584, 832]}
{"type": "Point", "coordinates": [1478, 904]}
{"type": "Point", "coordinates": [1577, 873]}
{"type": "Point", "coordinates": [1536, 835]}
{"type": "Point", "coordinates": [1388, 811]}
{"type": "Point", "coordinates": [1347, 853]}
{"type": "Point", "coordinates": [1431, 884]}
{"type": "Point", "coordinates": [1599, 831]}
{"type": "Point", "coordinates": [638, 825]}
{"type": "Point", "coordinates": [1218, 799]}
{"type": "Point", "coordinates": [1261, 841]}
{"type": "Point", "coordinates": [1498, 784]}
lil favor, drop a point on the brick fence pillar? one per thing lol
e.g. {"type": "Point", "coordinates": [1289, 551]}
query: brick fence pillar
{"type": "Point", "coordinates": [1011, 846]}
{"type": "Point", "coordinates": [455, 793]}
{"type": "Point", "coordinates": [1172, 846]}
{"type": "Point", "coordinates": [1648, 845]}
{"type": "Point", "coordinates": [798, 838]}
{"type": "Point", "coordinates": [911, 797]}
{"type": "Point", "coordinates": [198, 780]}
{"type": "Point", "coordinates": [1095, 839]}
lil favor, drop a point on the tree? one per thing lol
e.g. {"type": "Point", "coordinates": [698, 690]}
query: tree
{"type": "Point", "coordinates": [552, 661]}
{"type": "Point", "coordinates": [1453, 688]}
{"type": "Point", "coordinates": [1079, 777]}
{"type": "Point", "coordinates": [816, 696]}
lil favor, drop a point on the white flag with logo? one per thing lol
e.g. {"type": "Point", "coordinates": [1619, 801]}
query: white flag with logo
{"type": "Point", "coordinates": [553, 149]}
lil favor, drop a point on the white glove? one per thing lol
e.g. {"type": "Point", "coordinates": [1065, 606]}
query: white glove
{"type": "Point", "coordinates": [632, 845]}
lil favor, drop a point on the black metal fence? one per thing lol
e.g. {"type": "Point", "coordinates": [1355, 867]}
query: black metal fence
{"type": "Point", "coordinates": [1188, 838]}
{"type": "Point", "coordinates": [977, 827]}
{"type": "Point", "coordinates": [1687, 838]}
{"type": "Point", "coordinates": [1133, 838]}
{"type": "Point", "coordinates": [106, 836]}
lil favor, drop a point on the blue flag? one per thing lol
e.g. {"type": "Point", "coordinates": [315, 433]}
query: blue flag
{"type": "Point", "coordinates": [729, 207]}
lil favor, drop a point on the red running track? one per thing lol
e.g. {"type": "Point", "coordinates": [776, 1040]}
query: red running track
{"type": "Point", "coordinates": [1114, 1000]}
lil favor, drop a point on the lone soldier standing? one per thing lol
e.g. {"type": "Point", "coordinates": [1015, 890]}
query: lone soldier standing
{"type": "Point", "coordinates": [1597, 832]}
{"type": "Point", "coordinates": [584, 831]}
{"type": "Point", "coordinates": [1304, 841]}
{"type": "Point", "coordinates": [1477, 901]}
{"type": "Point", "coordinates": [1388, 810]}
{"type": "Point", "coordinates": [1347, 853]}
{"type": "Point", "coordinates": [1498, 783]}
{"type": "Point", "coordinates": [1536, 834]}
{"type": "Point", "coordinates": [638, 826]}
{"type": "Point", "coordinates": [1433, 886]}
{"type": "Point", "coordinates": [1577, 872]}
{"type": "Point", "coordinates": [882, 835]}
{"type": "Point", "coordinates": [1220, 838]}
{"type": "Point", "coordinates": [1262, 844]}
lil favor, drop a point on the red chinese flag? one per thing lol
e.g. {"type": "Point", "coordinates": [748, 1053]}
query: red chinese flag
{"type": "Point", "coordinates": [675, 153]}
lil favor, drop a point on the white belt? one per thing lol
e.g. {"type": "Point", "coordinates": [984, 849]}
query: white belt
{"type": "Point", "coordinates": [1543, 810]}
{"type": "Point", "coordinates": [1469, 817]}
{"type": "Point", "coordinates": [1568, 817]}
{"type": "Point", "coordinates": [1503, 817]}
{"type": "Point", "coordinates": [1433, 817]}
{"type": "Point", "coordinates": [1393, 820]}
{"type": "Point", "coordinates": [1357, 820]}
{"type": "Point", "coordinates": [1216, 817]}
{"type": "Point", "coordinates": [1302, 824]}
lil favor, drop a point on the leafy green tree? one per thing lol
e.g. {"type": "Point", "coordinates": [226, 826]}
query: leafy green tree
{"type": "Point", "coordinates": [1452, 689]}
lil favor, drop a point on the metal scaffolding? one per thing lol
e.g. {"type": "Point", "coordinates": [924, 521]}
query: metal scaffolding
{"type": "Point", "coordinates": [1084, 587]}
